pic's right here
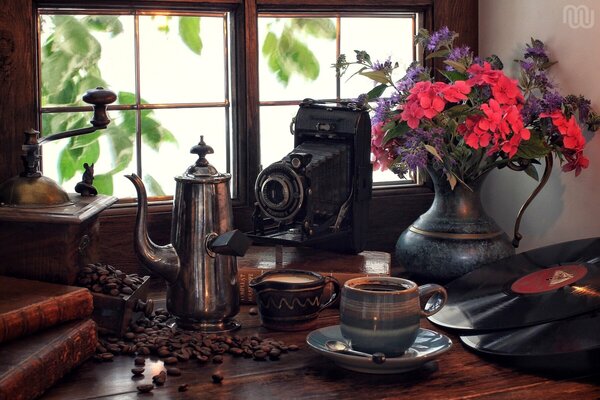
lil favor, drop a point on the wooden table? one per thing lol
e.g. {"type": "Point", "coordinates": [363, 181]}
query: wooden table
{"type": "Point", "coordinates": [304, 374]}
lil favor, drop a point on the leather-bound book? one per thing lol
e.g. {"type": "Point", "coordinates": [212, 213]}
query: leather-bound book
{"type": "Point", "coordinates": [260, 259]}
{"type": "Point", "coordinates": [28, 306]}
{"type": "Point", "coordinates": [32, 364]}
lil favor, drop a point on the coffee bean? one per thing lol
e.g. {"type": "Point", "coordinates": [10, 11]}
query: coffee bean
{"type": "Point", "coordinates": [293, 347]}
{"type": "Point", "coordinates": [183, 388]}
{"type": "Point", "coordinates": [139, 361]}
{"type": "Point", "coordinates": [253, 311]}
{"type": "Point", "coordinates": [126, 290]}
{"type": "Point", "coordinates": [274, 354]}
{"type": "Point", "coordinates": [218, 359]}
{"type": "Point", "coordinates": [163, 352]}
{"type": "Point", "coordinates": [217, 378]}
{"type": "Point", "coordinates": [202, 359]}
{"type": "Point", "coordinates": [146, 388]}
{"type": "Point", "coordinates": [170, 360]}
{"type": "Point", "coordinates": [137, 371]}
{"type": "Point", "coordinates": [173, 371]}
{"type": "Point", "coordinates": [160, 378]}
{"type": "Point", "coordinates": [260, 355]}
{"type": "Point", "coordinates": [107, 356]}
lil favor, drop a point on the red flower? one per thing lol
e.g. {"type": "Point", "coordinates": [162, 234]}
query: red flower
{"type": "Point", "coordinates": [483, 74]}
{"type": "Point", "coordinates": [456, 92]}
{"type": "Point", "coordinates": [569, 129]}
{"type": "Point", "coordinates": [506, 90]}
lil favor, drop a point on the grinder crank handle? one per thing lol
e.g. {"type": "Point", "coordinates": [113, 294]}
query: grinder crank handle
{"type": "Point", "coordinates": [232, 243]}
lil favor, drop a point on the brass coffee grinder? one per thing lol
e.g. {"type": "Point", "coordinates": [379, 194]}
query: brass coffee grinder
{"type": "Point", "coordinates": [47, 234]}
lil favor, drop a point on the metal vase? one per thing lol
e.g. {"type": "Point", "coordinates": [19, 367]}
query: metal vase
{"type": "Point", "coordinates": [453, 237]}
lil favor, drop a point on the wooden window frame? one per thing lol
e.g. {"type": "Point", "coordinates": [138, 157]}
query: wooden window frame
{"type": "Point", "coordinates": [392, 209]}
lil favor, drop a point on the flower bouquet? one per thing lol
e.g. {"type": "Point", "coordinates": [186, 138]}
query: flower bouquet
{"type": "Point", "coordinates": [460, 122]}
{"type": "Point", "coordinates": [471, 117]}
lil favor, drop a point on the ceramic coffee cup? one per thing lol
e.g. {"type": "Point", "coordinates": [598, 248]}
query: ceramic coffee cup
{"type": "Point", "coordinates": [382, 314]}
{"type": "Point", "coordinates": [290, 300]}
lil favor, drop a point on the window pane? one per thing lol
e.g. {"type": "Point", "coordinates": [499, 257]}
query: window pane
{"type": "Point", "coordinates": [295, 60]}
{"type": "Point", "coordinates": [398, 50]}
{"type": "Point", "coordinates": [275, 140]}
{"type": "Point", "coordinates": [111, 150]}
{"type": "Point", "coordinates": [353, 37]}
{"type": "Point", "coordinates": [172, 158]}
{"type": "Point", "coordinates": [178, 65]}
{"type": "Point", "coordinates": [84, 52]}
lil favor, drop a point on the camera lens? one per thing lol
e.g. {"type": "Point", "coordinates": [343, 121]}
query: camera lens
{"type": "Point", "coordinates": [279, 191]}
{"type": "Point", "coordinates": [276, 192]}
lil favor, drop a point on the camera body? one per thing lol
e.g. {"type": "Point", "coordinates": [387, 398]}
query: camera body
{"type": "Point", "coordinates": [318, 195]}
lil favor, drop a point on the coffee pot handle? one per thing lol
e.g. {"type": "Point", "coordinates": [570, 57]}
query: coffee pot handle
{"type": "Point", "coordinates": [335, 293]}
{"type": "Point", "coordinates": [432, 298]}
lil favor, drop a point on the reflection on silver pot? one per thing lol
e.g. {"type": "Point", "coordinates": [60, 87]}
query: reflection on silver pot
{"type": "Point", "coordinates": [199, 265]}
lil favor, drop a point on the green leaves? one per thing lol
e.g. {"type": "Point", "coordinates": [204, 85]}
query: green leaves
{"type": "Point", "coordinates": [189, 31]}
{"type": "Point", "coordinates": [377, 76]}
{"type": "Point", "coordinates": [533, 148]}
{"type": "Point", "coordinates": [396, 131]}
{"type": "Point", "coordinates": [376, 92]}
{"type": "Point", "coordinates": [287, 55]}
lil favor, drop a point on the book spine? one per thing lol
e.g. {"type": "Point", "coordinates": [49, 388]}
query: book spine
{"type": "Point", "coordinates": [70, 306]}
{"type": "Point", "coordinates": [32, 376]}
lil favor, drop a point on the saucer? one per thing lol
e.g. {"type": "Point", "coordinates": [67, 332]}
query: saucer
{"type": "Point", "coordinates": [427, 346]}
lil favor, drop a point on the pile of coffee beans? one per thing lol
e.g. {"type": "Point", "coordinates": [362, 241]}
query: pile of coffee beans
{"type": "Point", "coordinates": [104, 278]}
{"type": "Point", "coordinates": [153, 335]}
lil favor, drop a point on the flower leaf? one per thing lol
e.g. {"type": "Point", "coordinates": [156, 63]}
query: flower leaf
{"type": "Point", "coordinates": [376, 91]}
{"type": "Point", "coordinates": [532, 172]}
{"type": "Point", "coordinates": [377, 76]}
{"type": "Point", "coordinates": [535, 147]}
{"type": "Point", "coordinates": [437, 54]}
{"type": "Point", "coordinates": [454, 76]}
{"type": "Point", "coordinates": [434, 152]}
{"type": "Point", "coordinates": [456, 65]}
{"type": "Point", "coordinates": [396, 131]}
{"type": "Point", "coordinates": [451, 180]}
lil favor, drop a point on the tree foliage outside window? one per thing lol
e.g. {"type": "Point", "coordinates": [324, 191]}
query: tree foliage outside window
{"type": "Point", "coordinates": [69, 67]}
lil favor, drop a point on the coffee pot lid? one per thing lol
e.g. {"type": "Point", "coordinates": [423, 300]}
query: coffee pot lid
{"type": "Point", "coordinates": [202, 171]}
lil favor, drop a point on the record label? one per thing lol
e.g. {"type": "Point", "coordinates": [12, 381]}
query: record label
{"type": "Point", "coordinates": [549, 279]}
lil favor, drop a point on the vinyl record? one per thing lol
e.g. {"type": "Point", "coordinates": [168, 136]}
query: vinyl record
{"type": "Point", "coordinates": [569, 345]}
{"type": "Point", "coordinates": [542, 285]}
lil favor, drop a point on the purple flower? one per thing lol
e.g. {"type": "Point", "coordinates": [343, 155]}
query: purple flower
{"type": "Point", "coordinates": [580, 103]}
{"type": "Point", "coordinates": [537, 51]}
{"type": "Point", "coordinates": [439, 38]}
{"type": "Point", "coordinates": [552, 101]}
{"type": "Point", "coordinates": [382, 110]}
{"type": "Point", "coordinates": [378, 66]}
{"type": "Point", "coordinates": [457, 54]}
{"type": "Point", "coordinates": [542, 81]}
{"type": "Point", "coordinates": [527, 66]}
{"type": "Point", "coordinates": [531, 109]}
{"type": "Point", "coordinates": [413, 153]}
{"type": "Point", "coordinates": [362, 98]}
{"type": "Point", "coordinates": [412, 76]}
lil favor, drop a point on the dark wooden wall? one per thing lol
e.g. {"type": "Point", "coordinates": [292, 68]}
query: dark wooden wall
{"type": "Point", "coordinates": [391, 210]}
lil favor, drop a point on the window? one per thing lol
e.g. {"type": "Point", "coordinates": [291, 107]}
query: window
{"type": "Point", "coordinates": [171, 74]}
{"type": "Point", "coordinates": [297, 54]}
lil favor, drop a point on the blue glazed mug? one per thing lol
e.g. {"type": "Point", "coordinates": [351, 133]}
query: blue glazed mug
{"type": "Point", "coordinates": [382, 314]}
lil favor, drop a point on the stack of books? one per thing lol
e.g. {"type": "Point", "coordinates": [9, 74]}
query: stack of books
{"type": "Point", "coordinates": [45, 331]}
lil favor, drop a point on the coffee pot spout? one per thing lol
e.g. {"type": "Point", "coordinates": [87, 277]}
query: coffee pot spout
{"type": "Point", "coordinates": [161, 260]}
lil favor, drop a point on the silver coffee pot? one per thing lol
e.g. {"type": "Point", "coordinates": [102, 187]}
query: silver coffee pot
{"type": "Point", "coordinates": [199, 265]}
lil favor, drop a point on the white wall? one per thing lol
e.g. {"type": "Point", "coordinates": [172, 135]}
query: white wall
{"type": "Point", "coordinates": [568, 208]}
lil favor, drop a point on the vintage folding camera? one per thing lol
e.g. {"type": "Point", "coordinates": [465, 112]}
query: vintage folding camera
{"type": "Point", "coordinates": [318, 195]}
